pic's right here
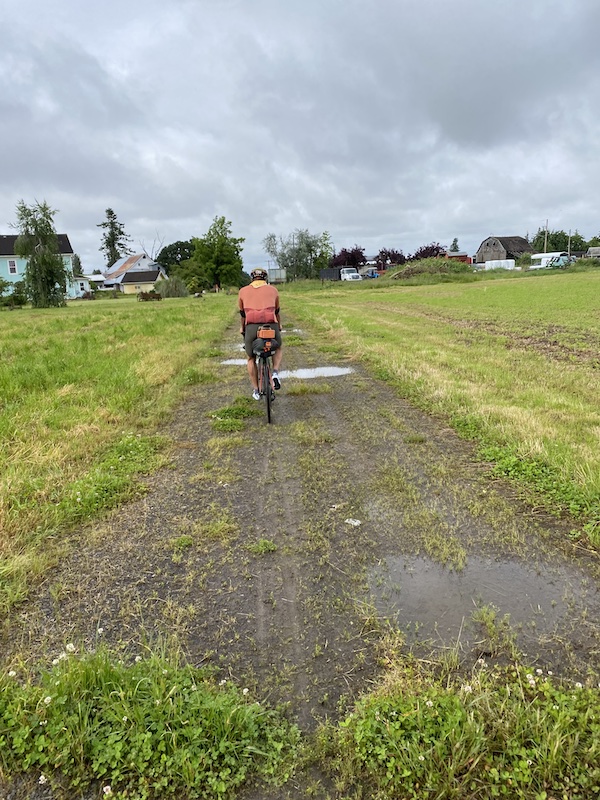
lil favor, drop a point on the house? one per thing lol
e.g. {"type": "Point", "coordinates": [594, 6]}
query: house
{"type": "Point", "coordinates": [459, 256]}
{"type": "Point", "coordinates": [12, 267]}
{"type": "Point", "coordinates": [133, 274]}
{"type": "Point", "coordinates": [502, 248]}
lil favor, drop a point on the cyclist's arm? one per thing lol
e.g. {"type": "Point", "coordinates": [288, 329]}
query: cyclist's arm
{"type": "Point", "coordinates": [243, 322]}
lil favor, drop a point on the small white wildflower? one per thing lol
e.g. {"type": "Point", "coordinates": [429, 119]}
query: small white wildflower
{"type": "Point", "coordinates": [529, 677]}
{"type": "Point", "coordinates": [157, 702]}
{"type": "Point", "coordinates": [223, 682]}
{"type": "Point", "coordinates": [70, 648]}
{"type": "Point", "coordinates": [555, 707]}
{"type": "Point", "coordinates": [12, 674]}
{"type": "Point", "coordinates": [245, 691]}
{"type": "Point", "coordinates": [164, 671]}
{"type": "Point", "coordinates": [194, 687]}
{"type": "Point", "coordinates": [550, 672]}
{"type": "Point", "coordinates": [138, 659]}
{"type": "Point", "coordinates": [107, 790]}
{"type": "Point", "coordinates": [529, 762]}
{"type": "Point", "coordinates": [42, 779]}
{"type": "Point", "coordinates": [43, 722]}
{"type": "Point", "coordinates": [579, 685]}
{"type": "Point", "coordinates": [467, 689]}
{"type": "Point", "coordinates": [62, 656]}
{"type": "Point", "coordinates": [100, 631]}
{"type": "Point", "coordinates": [429, 703]}
{"type": "Point", "coordinates": [55, 661]}
{"type": "Point", "coordinates": [421, 758]}
{"type": "Point", "coordinates": [124, 719]}
{"type": "Point", "coordinates": [47, 700]}
{"type": "Point", "coordinates": [539, 672]}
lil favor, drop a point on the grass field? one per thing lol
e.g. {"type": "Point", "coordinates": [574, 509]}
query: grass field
{"type": "Point", "coordinates": [513, 364]}
{"type": "Point", "coordinates": [82, 391]}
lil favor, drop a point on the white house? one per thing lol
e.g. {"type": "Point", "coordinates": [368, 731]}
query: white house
{"type": "Point", "coordinates": [133, 274]}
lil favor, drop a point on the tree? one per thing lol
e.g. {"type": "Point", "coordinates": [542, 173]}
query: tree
{"type": "Point", "coordinates": [217, 259]}
{"type": "Point", "coordinates": [349, 258]}
{"type": "Point", "coordinates": [433, 250]}
{"type": "Point", "coordinates": [76, 262]}
{"type": "Point", "coordinates": [557, 241]}
{"type": "Point", "coordinates": [172, 255]}
{"type": "Point", "coordinates": [386, 258]}
{"type": "Point", "coordinates": [301, 254]}
{"type": "Point", "coordinates": [114, 239]}
{"type": "Point", "coordinates": [46, 274]}
{"type": "Point", "coordinates": [454, 246]}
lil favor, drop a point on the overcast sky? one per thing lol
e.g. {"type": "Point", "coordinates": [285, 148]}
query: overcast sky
{"type": "Point", "coordinates": [388, 123]}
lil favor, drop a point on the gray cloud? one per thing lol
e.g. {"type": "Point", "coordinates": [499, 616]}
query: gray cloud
{"type": "Point", "coordinates": [388, 124]}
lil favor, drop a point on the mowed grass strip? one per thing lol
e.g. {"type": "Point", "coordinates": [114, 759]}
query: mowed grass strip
{"type": "Point", "coordinates": [510, 363]}
{"type": "Point", "coordinates": [82, 390]}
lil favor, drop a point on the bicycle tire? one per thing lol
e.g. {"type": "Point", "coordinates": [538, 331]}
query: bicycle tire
{"type": "Point", "coordinates": [267, 388]}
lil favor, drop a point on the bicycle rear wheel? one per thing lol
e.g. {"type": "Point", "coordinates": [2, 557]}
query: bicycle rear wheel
{"type": "Point", "coordinates": [266, 386]}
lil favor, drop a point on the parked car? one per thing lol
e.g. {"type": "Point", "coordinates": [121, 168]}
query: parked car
{"type": "Point", "coordinates": [346, 273]}
{"type": "Point", "coordinates": [354, 276]}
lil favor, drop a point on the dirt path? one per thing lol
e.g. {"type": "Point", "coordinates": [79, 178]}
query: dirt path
{"type": "Point", "coordinates": [245, 549]}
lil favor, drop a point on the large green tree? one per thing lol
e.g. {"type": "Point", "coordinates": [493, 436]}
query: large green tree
{"type": "Point", "coordinates": [46, 275]}
{"type": "Point", "coordinates": [216, 260]}
{"type": "Point", "coordinates": [558, 241]}
{"type": "Point", "coordinates": [301, 254]}
{"type": "Point", "coordinates": [115, 242]}
{"type": "Point", "coordinates": [173, 255]}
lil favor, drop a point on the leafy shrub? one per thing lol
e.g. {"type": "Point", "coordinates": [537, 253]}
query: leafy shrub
{"type": "Point", "coordinates": [153, 728]}
{"type": "Point", "coordinates": [173, 287]}
{"type": "Point", "coordinates": [433, 266]}
{"type": "Point", "coordinates": [505, 733]}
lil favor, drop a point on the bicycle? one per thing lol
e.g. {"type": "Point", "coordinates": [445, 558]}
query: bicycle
{"type": "Point", "coordinates": [263, 348]}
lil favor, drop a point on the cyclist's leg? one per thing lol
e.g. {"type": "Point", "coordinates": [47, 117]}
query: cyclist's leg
{"type": "Point", "coordinates": [249, 337]}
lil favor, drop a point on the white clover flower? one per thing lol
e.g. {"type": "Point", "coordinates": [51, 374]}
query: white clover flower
{"type": "Point", "coordinates": [550, 672]}
{"type": "Point", "coordinates": [245, 691]}
{"type": "Point", "coordinates": [55, 662]}
{"type": "Point", "coordinates": [429, 703]}
{"type": "Point", "coordinates": [539, 672]}
{"type": "Point", "coordinates": [555, 707]}
{"type": "Point", "coordinates": [529, 677]}
{"type": "Point", "coordinates": [47, 700]}
{"type": "Point", "coordinates": [138, 659]}
{"type": "Point", "coordinates": [12, 674]}
{"type": "Point", "coordinates": [107, 790]}
{"type": "Point", "coordinates": [529, 762]}
{"type": "Point", "coordinates": [100, 631]}
{"type": "Point", "coordinates": [194, 687]}
{"type": "Point", "coordinates": [467, 688]}
{"type": "Point", "coordinates": [223, 682]}
{"type": "Point", "coordinates": [578, 685]}
{"type": "Point", "coordinates": [164, 671]}
{"type": "Point", "coordinates": [124, 719]}
{"type": "Point", "coordinates": [421, 758]}
{"type": "Point", "coordinates": [42, 779]}
{"type": "Point", "coordinates": [70, 648]}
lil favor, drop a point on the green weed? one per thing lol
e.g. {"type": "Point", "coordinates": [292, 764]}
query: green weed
{"type": "Point", "coordinates": [155, 727]}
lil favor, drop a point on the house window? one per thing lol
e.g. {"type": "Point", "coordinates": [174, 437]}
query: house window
{"type": "Point", "coordinates": [82, 287]}
{"type": "Point", "coordinates": [138, 287]}
{"type": "Point", "coordinates": [12, 267]}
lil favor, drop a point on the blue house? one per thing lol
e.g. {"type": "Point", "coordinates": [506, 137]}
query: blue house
{"type": "Point", "coordinates": [12, 267]}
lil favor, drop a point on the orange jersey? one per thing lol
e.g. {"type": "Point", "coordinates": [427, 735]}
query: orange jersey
{"type": "Point", "coordinates": [259, 302]}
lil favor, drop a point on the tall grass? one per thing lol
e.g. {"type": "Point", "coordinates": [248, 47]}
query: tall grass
{"type": "Point", "coordinates": [81, 392]}
{"type": "Point", "coordinates": [510, 363]}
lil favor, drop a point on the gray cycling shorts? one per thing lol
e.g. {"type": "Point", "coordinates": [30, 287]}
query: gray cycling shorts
{"type": "Point", "coordinates": [252, 331]}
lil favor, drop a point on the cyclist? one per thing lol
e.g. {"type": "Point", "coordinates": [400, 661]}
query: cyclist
{"type": "Point", "coordinates": [259, 305]}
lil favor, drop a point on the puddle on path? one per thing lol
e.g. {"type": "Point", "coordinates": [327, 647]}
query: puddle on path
{"type": "Point", "coordinates": [428, 601]}
{"type": "Point", "coordinates": [316, 372]}
{"type": "Point", "coordinates": [301, 374]}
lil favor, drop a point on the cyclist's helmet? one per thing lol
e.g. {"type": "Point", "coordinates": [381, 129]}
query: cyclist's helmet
{"type": "Point", "coordinates": [259, 274]}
